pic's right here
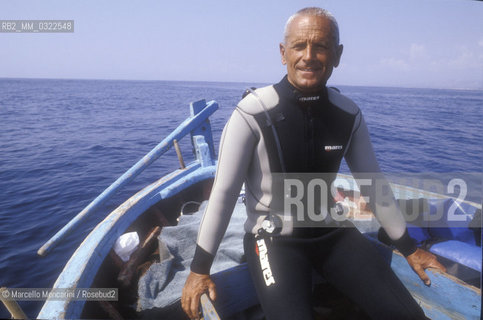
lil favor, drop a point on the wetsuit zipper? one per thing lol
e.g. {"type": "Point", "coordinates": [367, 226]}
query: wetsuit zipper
{"type": "Point", "coordinates": [310, 138]}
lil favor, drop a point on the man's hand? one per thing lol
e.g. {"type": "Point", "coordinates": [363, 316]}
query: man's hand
{"type": "Point", "coordinates": [196, 284]}
{"type": "Point", "coordinates": [421, 260]}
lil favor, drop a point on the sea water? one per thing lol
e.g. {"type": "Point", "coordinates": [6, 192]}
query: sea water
{"type": "Point", "coordinates": [62, 142]}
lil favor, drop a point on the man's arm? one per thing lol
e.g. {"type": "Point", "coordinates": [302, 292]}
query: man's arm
{"type": "Point", "coordinates": [236, 148]}
{"type": "Point", "coordinates": [361, 159]}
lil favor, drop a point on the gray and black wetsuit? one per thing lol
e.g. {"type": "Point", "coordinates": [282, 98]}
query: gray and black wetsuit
{"type": "Point", "coordinates": [315, 133]}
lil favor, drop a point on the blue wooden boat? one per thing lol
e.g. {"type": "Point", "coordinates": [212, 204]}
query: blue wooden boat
{"type": "Point", "coordinates": [95, 265]}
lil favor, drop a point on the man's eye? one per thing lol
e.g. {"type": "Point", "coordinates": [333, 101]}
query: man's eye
{"type": "Point", "coordinates": [321, 46]}
{"type": "Point", "coordinates": [299, 46]}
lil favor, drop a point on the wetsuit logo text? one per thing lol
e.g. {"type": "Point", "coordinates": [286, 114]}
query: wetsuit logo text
{"type": "Point", "coordinates": [264, 264]}
{"type": "Point", "coordinates": [330, 148]}
{"type": "Point", "coordinates": [307, 99]}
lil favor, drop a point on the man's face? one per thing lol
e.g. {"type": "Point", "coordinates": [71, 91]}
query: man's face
{"type": "Point", "coordinates": [310, 52]}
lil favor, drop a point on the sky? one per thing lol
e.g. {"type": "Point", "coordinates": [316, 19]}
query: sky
{"type": "Point", "coordinates": [406, 43]}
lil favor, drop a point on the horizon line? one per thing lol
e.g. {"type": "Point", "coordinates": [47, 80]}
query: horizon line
{"type": "Point", "coordinates": [234, 82]}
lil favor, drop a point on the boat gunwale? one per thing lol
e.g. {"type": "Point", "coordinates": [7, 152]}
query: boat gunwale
{"type": "Point", "coordinates": [88, 255]}
{"type": "Point", "coordinates": [424, 193]}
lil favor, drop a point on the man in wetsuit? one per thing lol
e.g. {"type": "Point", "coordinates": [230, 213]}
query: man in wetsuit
{"type": "Point", "coordinates": [300, 126]}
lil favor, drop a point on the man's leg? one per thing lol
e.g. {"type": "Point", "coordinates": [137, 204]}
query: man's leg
{"type": "Point", "coordinates": [282, 275]}
{"type": "Point", "coordinates": [352, 264]}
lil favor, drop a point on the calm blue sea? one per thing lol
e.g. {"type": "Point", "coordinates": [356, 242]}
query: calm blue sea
{"type": "Point", "coordinates": [62, 142]}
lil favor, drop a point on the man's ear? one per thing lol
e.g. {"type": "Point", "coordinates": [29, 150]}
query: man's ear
{"type": "Point", "coordinates": [282, 53]}
{"type": "Point", "coordinates": [338, 53]}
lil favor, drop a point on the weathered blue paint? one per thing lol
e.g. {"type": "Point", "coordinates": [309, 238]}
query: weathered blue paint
{"type": "Point", "coordinates": [446, 298]}
{"type": "Point", "coordinates": [202, 151]}
{"type": "Point", "coordinates": [235, 290]}
{"type": "Point", "coordinates": [81, 269]}
{"type": "Point", "coordinates": [204, 129]}
{"type": "Point", "coordinates": [208, 309]}
{"type": "Point", "coordinates": [177, 186]}
{"type": "Point", "coordinates": [198, 122]}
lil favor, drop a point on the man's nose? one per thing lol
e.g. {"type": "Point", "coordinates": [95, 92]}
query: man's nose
{"type": "Point", "coordinates": [309, 53]}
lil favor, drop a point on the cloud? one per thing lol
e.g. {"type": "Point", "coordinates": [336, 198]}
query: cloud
{"type": "Point", "coordinates": [463, 60]}
{"type": "Point", "coordinates": [417, 52]}
{"type": "Point", "coordinates": [413, 58]}
{"type": "Point", "coordinates": [419, 57]}
{"type": "Point", "coordinates": [423, 65]}
{"type": "Point", "coordinates": [395, 63]}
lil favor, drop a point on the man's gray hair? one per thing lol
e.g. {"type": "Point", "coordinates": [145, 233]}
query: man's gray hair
{"type": "Point", "coordinates": [314, 11]}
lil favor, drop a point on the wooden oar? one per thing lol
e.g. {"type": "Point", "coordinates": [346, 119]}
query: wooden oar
{"type": "Point", "coordinates": [12, 305]}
